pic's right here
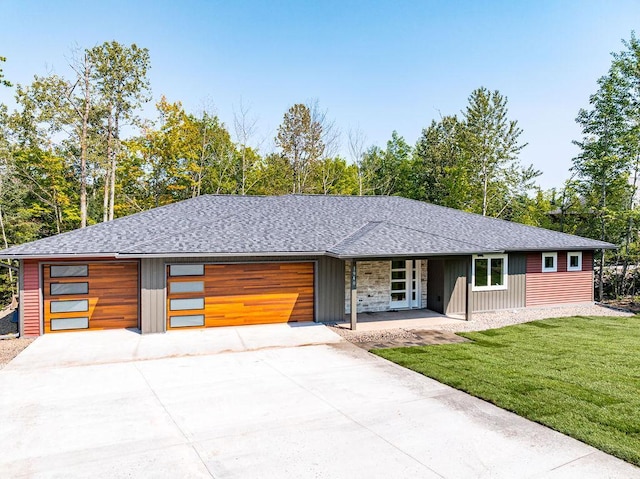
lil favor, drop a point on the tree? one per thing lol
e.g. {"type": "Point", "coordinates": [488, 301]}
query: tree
{"type": "Point", "coordinates": [300, 141]}
{"type": "Point", "coordinates": [491, 141]}
{"type": "Point", "coordinates": [441, 173]}
{"type": "Point", "coordinates": [120, 76]}
{"type": "Point", "coordinates": [245, 127]}
{"type": "Point", "coordinates": [332, 176]}
{"type": "Point", "coordinates": [388, 171]}
{"type": "Point", "coordinates": [610, 154]}
{"type": "Point", "coordinates": [356, 142]}
{"type": "Point", "coordinates": [82, 108]}
{"type": "Point", "coordinates": [3, 81]}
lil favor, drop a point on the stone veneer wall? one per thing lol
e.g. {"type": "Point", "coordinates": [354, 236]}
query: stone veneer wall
{"type": "Point", "coordinates": [374, 285]}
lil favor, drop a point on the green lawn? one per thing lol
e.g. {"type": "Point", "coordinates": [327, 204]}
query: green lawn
{"type": "Point", "coordinates": [579, 375]}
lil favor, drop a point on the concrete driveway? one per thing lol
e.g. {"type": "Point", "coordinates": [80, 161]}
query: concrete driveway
{"type": "Point", "coordinates": [258, 401]}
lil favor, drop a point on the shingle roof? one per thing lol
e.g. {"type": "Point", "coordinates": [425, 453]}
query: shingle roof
{"type": "Point", "coordinates": [342, 226]}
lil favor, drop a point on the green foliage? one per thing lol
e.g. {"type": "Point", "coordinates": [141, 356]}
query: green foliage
{"type": "Point", "coordinates": [576, 375]}
{"type": "Point", "coordinates": [388, 172]}
{"type": "Point", "coordinates": [608, 167]}
{"type": "Point", "coordinates": [3, 80]}
{"type": "Point", "coordinates": [441, 174]}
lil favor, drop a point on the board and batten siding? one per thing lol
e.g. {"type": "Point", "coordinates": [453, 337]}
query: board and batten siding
{"type": "Point", "coordinates": [329, 285]}
{"type": "Point", "coordinates": [330, 289]}
{"type": "Point", "coordinates": [30, 323]}
{"type": "Point", "coordinates": [152, 295]}
{"type": "Point", "coordinates": [562, 286]}
{"type": "Point", "coordinates": [455, 287]}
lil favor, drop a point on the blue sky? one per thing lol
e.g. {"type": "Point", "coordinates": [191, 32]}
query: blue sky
{"type": "Point", "coordinates": [376, 66]}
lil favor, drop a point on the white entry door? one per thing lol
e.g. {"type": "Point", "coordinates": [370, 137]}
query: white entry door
{"type": "Point", "coordinates": [405, 284]}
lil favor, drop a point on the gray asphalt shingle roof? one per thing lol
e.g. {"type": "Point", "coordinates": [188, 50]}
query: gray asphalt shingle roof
{"type": "Point", "coordinates": [343, 226]}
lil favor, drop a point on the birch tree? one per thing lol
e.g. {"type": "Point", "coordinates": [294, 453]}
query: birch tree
{"type": "Point", "coordinates": [492, 142]}
{"type": "Point", "coordinates": [300, 141]}
{"type": "Point", "coordinates": [120, 76]}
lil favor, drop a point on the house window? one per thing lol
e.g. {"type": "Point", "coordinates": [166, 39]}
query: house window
{"type": "Point", "coordinates": [70, 271]}
{"type": "Point", "coordinates": [489, 272]}
{"type": "Point", "coordinates": [186, 270]}
{"type": "Point", "coordinates": [574, 261]}
{"type": "Point", "coordinates": [549, 262]}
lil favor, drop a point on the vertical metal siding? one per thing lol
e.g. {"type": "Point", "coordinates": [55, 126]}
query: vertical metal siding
{"type": "Point", "coordinates": [152, 294]}
{"type": "Point", "coordinates": [512, 297]}
{"type": "Point", "coordinates": [30, 298]}
{"type": "Point", "coordinates": [330, 289]}
{"type": "Point", "coordinates": [455, 284]}
{"type": "Point", "coordinates": [435, 286]}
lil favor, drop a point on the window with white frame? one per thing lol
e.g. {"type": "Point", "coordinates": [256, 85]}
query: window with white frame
{"type": "Point", "coordinates": [574, 261]}
{"type": "Point", "coordinates": [489, 272]}
{"type": "Point", "coordinates": [549, 262]}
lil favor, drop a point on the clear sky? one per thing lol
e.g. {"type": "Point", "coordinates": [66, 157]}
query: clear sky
{"type": "Point", "coordinates": [376, 66]}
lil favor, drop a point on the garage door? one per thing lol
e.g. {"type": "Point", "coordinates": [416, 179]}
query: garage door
{"type": "Point", "coordinates": [90, 296]}
{"type": "Point", "coordinates": [207, 295]}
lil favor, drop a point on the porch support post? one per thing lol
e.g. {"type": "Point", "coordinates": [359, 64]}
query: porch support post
{"type": "Point", "coordinates": [354, 295]}
{"type": "Point", "coordinates": [468, 309]}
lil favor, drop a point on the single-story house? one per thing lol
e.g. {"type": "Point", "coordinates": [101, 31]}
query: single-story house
{"type": "Point", "coordinates": [231, 260]}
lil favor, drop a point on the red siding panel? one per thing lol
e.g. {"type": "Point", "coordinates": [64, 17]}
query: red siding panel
{"type": "Point", "coordinates": [31, 299]}
{"type": "Point", "coordinates": [562, 286]}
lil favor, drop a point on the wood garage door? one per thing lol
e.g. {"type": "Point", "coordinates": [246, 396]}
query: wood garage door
{"type": "Point", "coordinates": [90, 296]}
{"type": "Point", "coordinates": [207, 295]}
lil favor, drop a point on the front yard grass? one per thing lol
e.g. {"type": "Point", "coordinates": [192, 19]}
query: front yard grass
{"type": "Point", "coordinates": [578, 375]}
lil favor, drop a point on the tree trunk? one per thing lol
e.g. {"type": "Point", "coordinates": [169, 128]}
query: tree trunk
{"type": "Point", "coordinates": [485, 188]}
{"type": "Point", "coordinates": [114, 164]}
{"type": "Point", "coordinates": [603, 201]}
{"type": "Point", "coordinates": [6, 245]}
{"type": "Point", "coordinates": [244, 170]}
{"type": "Point", "coordinates": [107, 174]}
{"type": "Point", "coordinates": [83, 144]}
{"type": "Point", "coordinates": [601, 277]}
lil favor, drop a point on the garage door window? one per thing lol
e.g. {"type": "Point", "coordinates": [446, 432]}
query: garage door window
{"type": "Point", "coordinates": [60, 324]}
{"type": "Point", "coordinates": [69, 271]}
{"type": "Point", "coordinates": [186, 270]}
{"type": "Point", "coordinates": [186, 321]}
{"type": "Point", "coordinates": [183, 304]}
{"type": "Point", "coordinates": [70, 306]}
{"type": "Point", "coordinates": [186, 287]}
{"type": "Point", "coordinates": [59, 289]}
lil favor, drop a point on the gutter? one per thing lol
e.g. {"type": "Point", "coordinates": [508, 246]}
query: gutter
{"type": "Point", "coordinates": [219, 255]}
{"type": "Point", "coordinates": [417, 254]}
{"type": "Point", "coordinates": [58, 256]}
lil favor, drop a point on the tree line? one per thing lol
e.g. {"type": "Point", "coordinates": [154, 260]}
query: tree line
{"type": "Point", "coordinates": [76, 151]}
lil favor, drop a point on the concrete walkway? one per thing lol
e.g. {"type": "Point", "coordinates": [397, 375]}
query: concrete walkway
{"type": "Point", "coordinates": [255, 402]}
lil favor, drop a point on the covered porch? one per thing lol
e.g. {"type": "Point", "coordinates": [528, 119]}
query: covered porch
{"type": "Point", "coordinates": [422, 319]}
{"type": "Point", "coordinates": [383, 293]}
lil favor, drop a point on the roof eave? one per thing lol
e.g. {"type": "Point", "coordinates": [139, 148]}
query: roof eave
{"type": "Point", "coordinates": [57, 256]}
{"type": "Point", "coordinates": [411, 254]}
{"type": "Point", "coordinates": [564, 248]}
{"type": "Point", "coordinates": [221, 255]}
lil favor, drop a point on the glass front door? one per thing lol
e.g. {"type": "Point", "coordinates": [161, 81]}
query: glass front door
{"type": "Point", "coordinates": [405, 284]}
